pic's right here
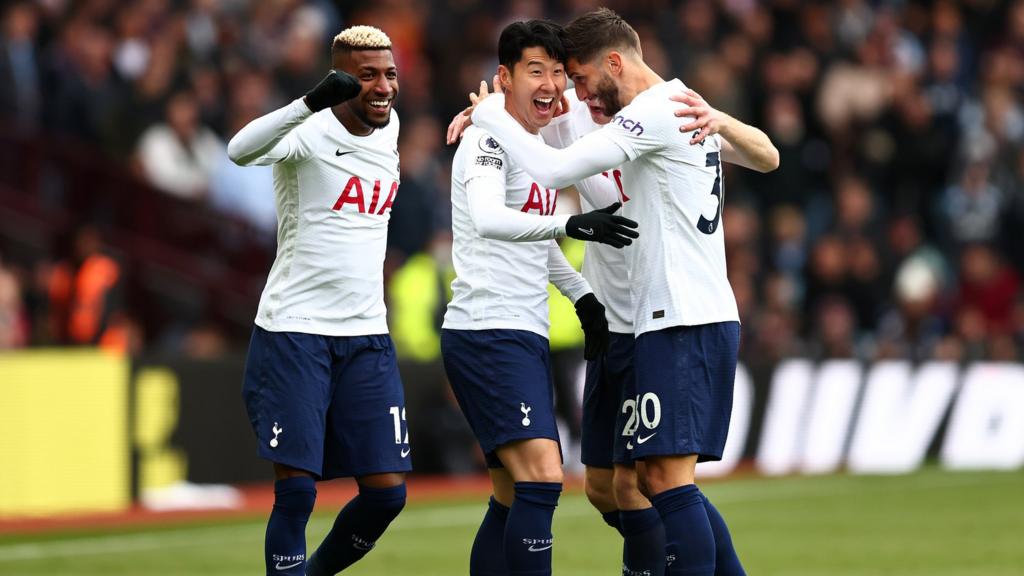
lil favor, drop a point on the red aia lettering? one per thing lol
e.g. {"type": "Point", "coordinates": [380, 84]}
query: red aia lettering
{"type": "Point", "coordinates": [353, 194]}
{"type": "Point", "coordinates": [617, 176]}
{"type": "Point", "coordinates": [390, 200]}
{"type": "Point", "coordinates": [544, 203]}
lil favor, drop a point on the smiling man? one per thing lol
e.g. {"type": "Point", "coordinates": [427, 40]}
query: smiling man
{"type": "Point", "coordinates": [495, 335]}
{"type": "Point", "coordinates": [322, 387]}
{"type": "Point", "coordinates": [684, 313]}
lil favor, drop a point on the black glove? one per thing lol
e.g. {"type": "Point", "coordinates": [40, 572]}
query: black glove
{"type": "Point", "coordinates": [595, 326]}
{"type": "Point", "coordinates": [602, 226]}
{"type": "Point", "coordinates": [334, 89]}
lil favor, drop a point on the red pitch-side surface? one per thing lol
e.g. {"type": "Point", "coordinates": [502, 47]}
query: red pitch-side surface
{"type": "Point", "coordinates": [257, 502]}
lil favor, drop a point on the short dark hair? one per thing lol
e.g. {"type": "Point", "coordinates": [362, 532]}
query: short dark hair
{"type": "Point", "coordinates": [594, 32]}
{"type": "Point", "coordinates": [519, 36]}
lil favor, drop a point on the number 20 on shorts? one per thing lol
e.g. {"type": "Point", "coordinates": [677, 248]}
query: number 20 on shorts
{"type": "Point", "coordinates": [644, 410]}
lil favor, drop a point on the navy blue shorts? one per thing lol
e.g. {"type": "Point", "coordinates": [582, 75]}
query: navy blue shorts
{"type": "Point", "coordinates": [683, 401]}
{"type": "Point", "coordinates": [502, 381]}
{"type": "Point", "coordinates": [330, 405]}
{"type": "Point", "coordinates": [610, 381]}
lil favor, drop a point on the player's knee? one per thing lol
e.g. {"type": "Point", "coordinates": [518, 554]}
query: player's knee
{"type": "Point", "coordinates": [542, 472]}
{"type": "Point", "coordinates": [598, 488]}
{"type": "Point", "coordinates": [387, 502]}
{"type": "Point", "coordinates": [666, 473]}
{"type": "Point", "coordinates": [627, 490]}
{"type": "Point", "coordinates": [536, 460]}
{"type": "Point", "coordinates": [295, 496]}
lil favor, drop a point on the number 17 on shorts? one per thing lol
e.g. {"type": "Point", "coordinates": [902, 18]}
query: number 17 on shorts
{"type": "Point", "coordinates": [401, 429]}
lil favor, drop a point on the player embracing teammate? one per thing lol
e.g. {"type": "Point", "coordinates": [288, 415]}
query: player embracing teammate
{"type": "Point", "coordinates": [684, 314]}
{"type": "Point", "coordinates": [494, 338]}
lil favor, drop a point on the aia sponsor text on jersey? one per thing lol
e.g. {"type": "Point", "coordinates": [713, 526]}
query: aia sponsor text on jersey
{"type": "Point", "coordinates": [542, 200]}
{"type": "Point", "coordinates": [353, 194]}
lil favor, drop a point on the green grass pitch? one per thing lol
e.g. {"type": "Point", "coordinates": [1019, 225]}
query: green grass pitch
{"type": "Point", "coordinates": [930, 523]}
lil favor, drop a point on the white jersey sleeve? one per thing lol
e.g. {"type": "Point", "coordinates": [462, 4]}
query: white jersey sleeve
{"type": "Point", "coordinates": [590, 155]}
{"type": "Point", "coordinates": [485, 181]}
{"type": "Point", "coordinates": [270, 139]}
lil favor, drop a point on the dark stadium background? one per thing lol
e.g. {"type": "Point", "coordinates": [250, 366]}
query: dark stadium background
{"type": "Point", "coordinates": [891, 231]}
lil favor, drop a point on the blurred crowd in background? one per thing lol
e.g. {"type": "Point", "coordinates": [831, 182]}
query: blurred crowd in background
{"type": "Point", "coordinates": [892, 229]}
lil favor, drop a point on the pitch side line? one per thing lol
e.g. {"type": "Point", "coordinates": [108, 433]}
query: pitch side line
{"type": "Point", "coordinates": [450, 517]}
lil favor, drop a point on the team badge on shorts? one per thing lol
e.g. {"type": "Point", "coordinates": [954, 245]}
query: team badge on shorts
{"type": "Point", "coordinates": [277, 432]}
{"type": "Point", "coordinates": [526, 413]}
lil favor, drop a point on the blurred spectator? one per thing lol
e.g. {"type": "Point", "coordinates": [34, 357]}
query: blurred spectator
{"type": "Point", "coordinates": [988, 288]}
{"type": "Point", "coordinates": [971, 208]}
{"type": "Point", "coordinates": [835, 331]}
{"type": "Point", "coordinates": [86, 296]}
{"type": "Point", "coordinates": [246, 192]}
{"type": "Point", "coordinates": [913, 328]}
{"type": "Point", "coordinates": [855, 209]}
{"type": "Point", "coordinates": [14, 327]}
{"type": "Point", "coordinates": [788, 243]}
{"type": "Point", "coordinates": [179, 155]}
{"type": "Point", "coordinates": [87, 97]}
{"type": "Point", "coordinates": [20, 82]}
{"type": "Point", "coordinates": [422, 207]}
{"type": "Point", "coordinates": [826, 276]}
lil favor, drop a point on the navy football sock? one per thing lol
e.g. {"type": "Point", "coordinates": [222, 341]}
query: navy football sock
{"type": "Point", "coordinates": [528, 537]}
{"type": "Point", "coordinates": [285, 544]}
{"type": "Point", "coordinates": [727, 563]}
{"type": "Point", "coordinates": [488, 555]}
{"type": "Point", "coordinates": [643, 550]}
{"type": "Point", "coordinates": [356, 529]}
{"type": "Point", "coordinates": [612, 519]}
{"type": "Point", "coordinates": [688, 532]}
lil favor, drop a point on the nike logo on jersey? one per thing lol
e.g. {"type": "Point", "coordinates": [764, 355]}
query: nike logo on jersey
{"type": "Point", "coordinates": [405, 452]}
{"type": "Point", "coordinates": [643, 439]}
{"type": "Point", "coordinates": [587, 231]}
{"type": "Point", "coordinates": [279, 567]}
{"type": "Point", "coordinates": [338, 152]}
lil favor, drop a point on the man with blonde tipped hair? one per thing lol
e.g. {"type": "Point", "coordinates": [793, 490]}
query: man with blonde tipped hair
{"type": "Point", "coordinates": [321, 384]}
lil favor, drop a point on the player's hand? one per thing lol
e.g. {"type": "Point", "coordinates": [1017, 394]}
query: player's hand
{"type": "Point", "coordinates": [334, 89]}
{"type": "Point", "coordinates": [595, 326]}
{"type": "Point", "coordinates": [706, 120]}
{"type": "Point", "coordinates": [562, 107]}
{"type": "Point", "coordinates": [464, 119]}
{"type": "Point", "coordinates": [458, 125]}
{"type": "Point", "coordinates": [602, 226]}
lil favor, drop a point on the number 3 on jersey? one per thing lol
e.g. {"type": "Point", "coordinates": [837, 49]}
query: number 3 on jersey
{"type": "Point", "coordinates": [709, 226]}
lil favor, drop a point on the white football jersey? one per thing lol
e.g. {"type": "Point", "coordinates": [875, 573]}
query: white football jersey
{"type": "Point", "coordinates": [499, 284]}
{"type": "Point", "coordinates": [604, 267]}
{"type": "Point", "coordinates": [334, 194]}
{"type": "Point", "coordinates": [677, 265]}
